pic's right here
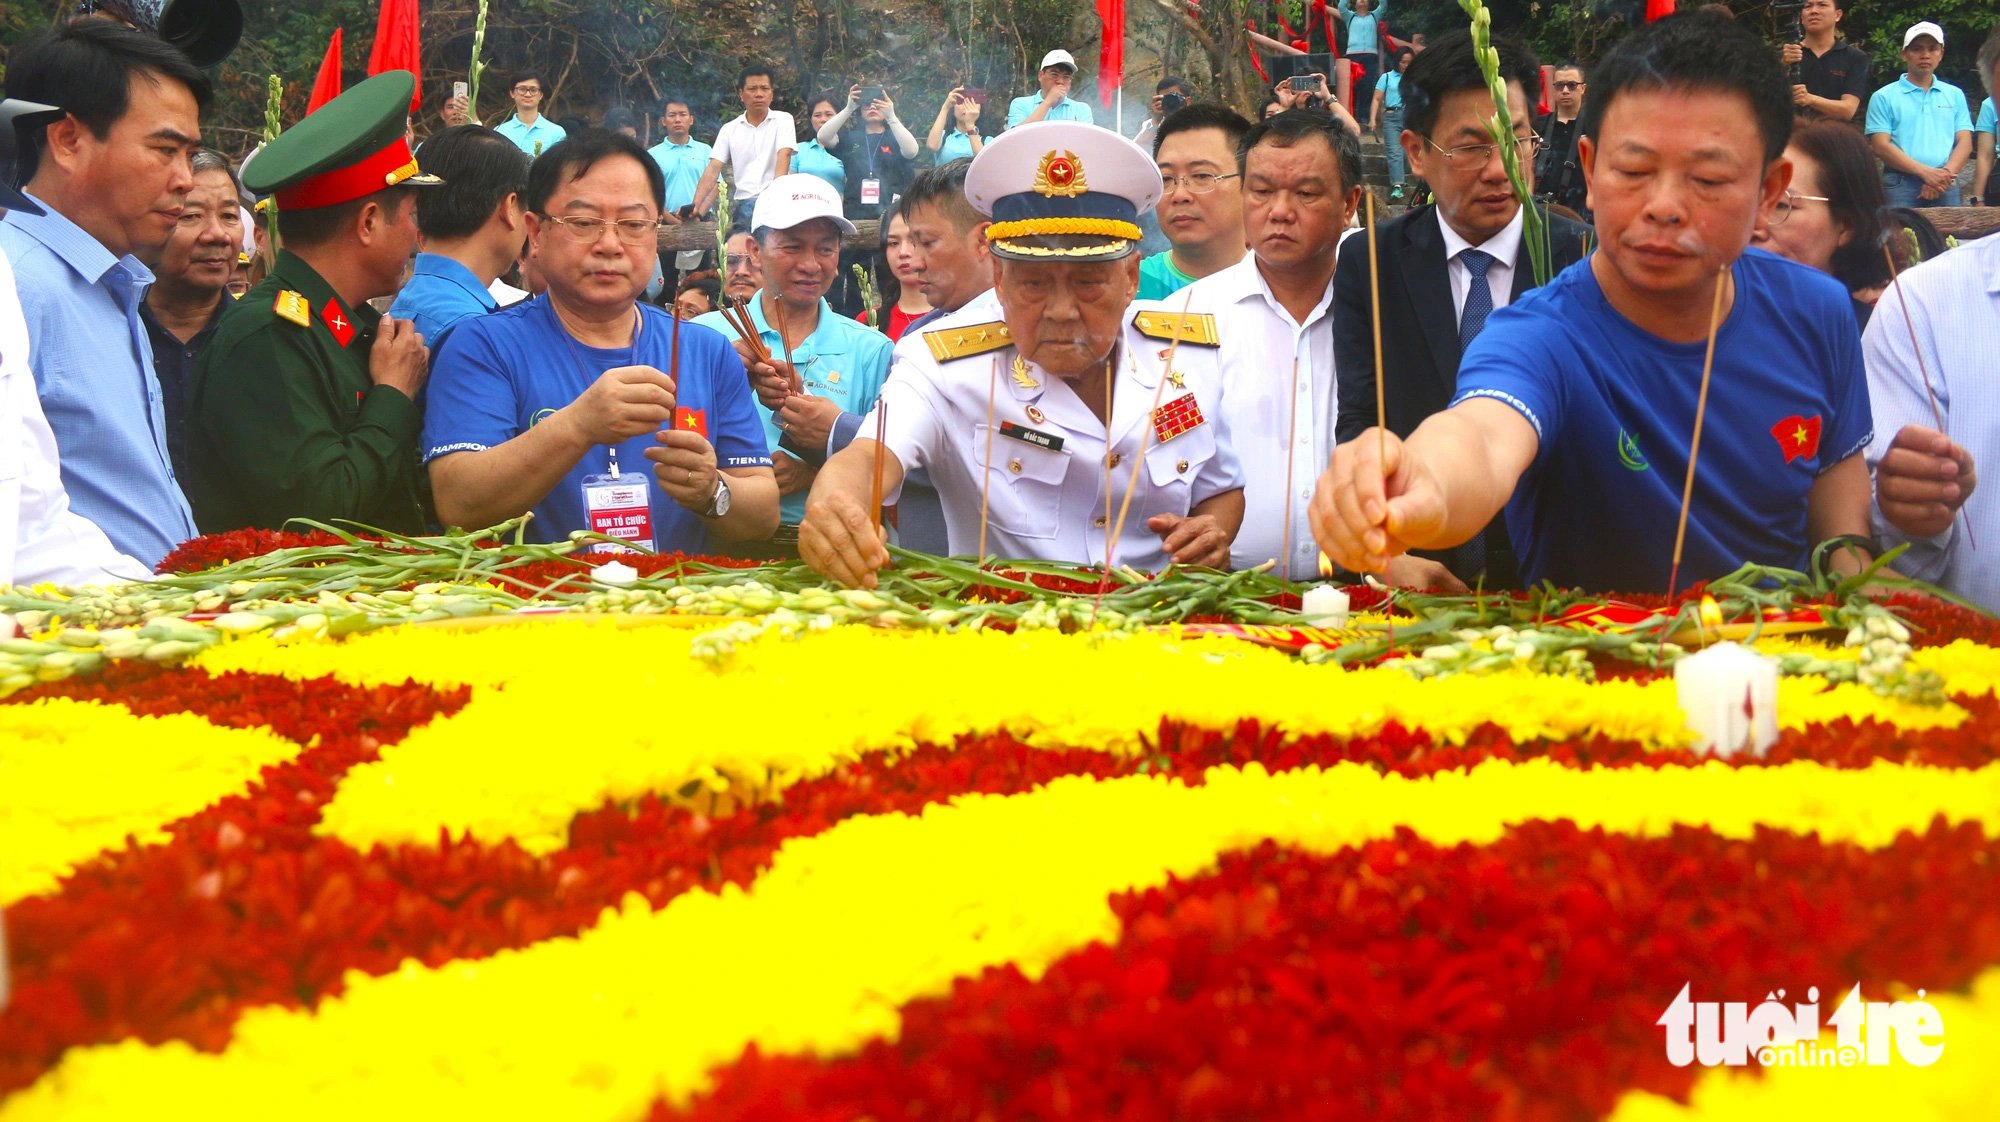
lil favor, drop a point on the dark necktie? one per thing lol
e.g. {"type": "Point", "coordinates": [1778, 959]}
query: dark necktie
{"type": "Point", "coordinates": [1478, 297]}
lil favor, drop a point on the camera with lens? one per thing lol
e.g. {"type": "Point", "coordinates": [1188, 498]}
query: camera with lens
{"type": "Point", "coordinates": [204, 30]}
{"type": "Point", "coordinates": [1786, 14]}
{"type": "Point", "coordinates": [1172, 103]}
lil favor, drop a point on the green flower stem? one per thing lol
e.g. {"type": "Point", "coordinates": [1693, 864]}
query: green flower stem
{"type": "Point", "coordinates": [1534, 228]}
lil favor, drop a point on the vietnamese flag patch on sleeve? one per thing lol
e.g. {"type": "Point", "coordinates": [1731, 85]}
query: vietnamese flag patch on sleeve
{"type": "Point", "coordinates": [691, 420]}
{"type": "Point", "coordinates": [1797, 436]}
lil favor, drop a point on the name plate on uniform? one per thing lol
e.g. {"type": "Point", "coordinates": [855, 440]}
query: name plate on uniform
{"type": "Point", "coordinates": [1039, 439]}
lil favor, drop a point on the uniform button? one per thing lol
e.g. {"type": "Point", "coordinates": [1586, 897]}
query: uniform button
{"type": "Point", "coordinates": [1181, 467]}
{"type": "Point", "coordinates": [1113, 460]}
{"type": "Point", "coordinates": [1098, 522]}
{"type": "Point", "coordinates": [1014, 466]}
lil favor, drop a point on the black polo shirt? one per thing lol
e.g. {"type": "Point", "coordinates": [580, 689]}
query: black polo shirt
{"type": "Point", "coordinates": [1842, 70]}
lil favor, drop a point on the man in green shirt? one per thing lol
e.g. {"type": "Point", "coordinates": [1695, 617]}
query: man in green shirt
{"type": "Point", "coordinates": [304, 405]}
{"type": "Point", "coordinates": [1201, 200]}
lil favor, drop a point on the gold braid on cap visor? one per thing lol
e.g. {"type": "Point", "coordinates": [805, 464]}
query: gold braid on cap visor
{"type": "Point", "coordinates": [1056, 227]}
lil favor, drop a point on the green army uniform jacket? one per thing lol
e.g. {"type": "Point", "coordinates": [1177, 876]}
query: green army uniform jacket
{"type": "Point", "coordinates": [284, 421]}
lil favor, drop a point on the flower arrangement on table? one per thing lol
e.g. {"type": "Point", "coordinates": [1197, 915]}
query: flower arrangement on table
{"type": "Point", "coordinates": [418, 825]}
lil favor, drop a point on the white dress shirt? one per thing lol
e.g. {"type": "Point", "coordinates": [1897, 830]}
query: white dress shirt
{"type": "Point", "coordinates": [41, 538]}
{"type": "Point", "coordinates": [1504, 247]}
{"type": "Point", "coordinates": [751, 151]}
{"type": "Point", "coordinates": [1954, 301]}
{"type": "Point", "coordinates": [1045, 502]}
{"type": "Point", "coordinates": [1282, 425]}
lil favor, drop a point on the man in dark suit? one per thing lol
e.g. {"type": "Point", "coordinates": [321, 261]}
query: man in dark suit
{"type": "Point", "coordinates": [1442, 269]}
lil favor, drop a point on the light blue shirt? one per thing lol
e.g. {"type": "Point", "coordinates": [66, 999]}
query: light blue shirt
{"type": "Point", "coordinates": [533, 139]}
{"type": "Point", "coordinates": [94, 371]}
{"type": "Point", "coordinates": [812, 159]}
{"type": "Point", "coordinates": [1068, 109]}
{"type": "Point", "coordinates": [1987, 122]}
{"type": "Point", "coordinates": [843, 361]}
{"type": "Point", "coordinates": [682, 164]}
{"type": "Point", "coordinates": [1364, 33]}
{"type": "Point", "coordinates": [1924, 123]}
{"type": "Point", "coordinates": [1390, 86]}
{"type": "Point", "coordinates": [440, 293]}
{"type": "Point", "coordinates": [958, 146]}
{"type": "Point", "coordinates": [1954, 299]}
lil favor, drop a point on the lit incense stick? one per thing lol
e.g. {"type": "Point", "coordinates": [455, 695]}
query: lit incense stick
{"type": "Point", "coordinates": [875, 491]}
{"type": "Point", "coordinates": [1700, 412]}
{"type": "Point", "coordinates": [1145, 431]}
{"type": "Point", "coordinates": [986, 481]}
{"type": "Point", "coordinates": [1375, 322]}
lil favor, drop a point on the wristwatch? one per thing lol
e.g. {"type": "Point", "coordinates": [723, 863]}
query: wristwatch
{"type": "Point", "coordinates": [719, 504]}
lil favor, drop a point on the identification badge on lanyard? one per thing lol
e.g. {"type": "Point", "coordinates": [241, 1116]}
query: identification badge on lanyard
{"type": "Point", "coordinates": [619, 505]}
{"type": "Point", "coordinates": [871, 192]}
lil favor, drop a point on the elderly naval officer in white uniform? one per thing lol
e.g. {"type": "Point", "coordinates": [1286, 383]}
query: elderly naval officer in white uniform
{"type": "Point", "coordinates": [1084, 404]}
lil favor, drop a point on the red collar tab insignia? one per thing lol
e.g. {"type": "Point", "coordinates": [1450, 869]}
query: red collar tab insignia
{"type": "Point", "coordinates": [337, 322]}
{"type": "Point", "coordinates": [691, 420]}
{"type": "Point", "coordinates": [1180, 415]}
{"type": "Point", "coordinates": [1060, 175]}
{"type": "Point", "coordinates": [1797, 436]}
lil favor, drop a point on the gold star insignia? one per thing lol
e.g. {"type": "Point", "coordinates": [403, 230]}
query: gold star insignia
{"type": "Point", "coordinates": [1799, 436]}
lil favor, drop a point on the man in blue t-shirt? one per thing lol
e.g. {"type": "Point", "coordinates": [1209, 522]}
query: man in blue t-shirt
{"type": "Point", "coordinates": [561, 405]}
{"type": "Point", "coordinates": [1576, 404]}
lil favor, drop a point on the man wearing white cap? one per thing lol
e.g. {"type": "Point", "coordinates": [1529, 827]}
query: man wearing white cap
{"type": "Point", "coordinates": [837, 364]}
{"type": "Point", "coordinates": [1035, 428]}
{"type": "Point", "coordinates": [1053, 103]}
{"type": "Point", "coordinates": [1920, 126]}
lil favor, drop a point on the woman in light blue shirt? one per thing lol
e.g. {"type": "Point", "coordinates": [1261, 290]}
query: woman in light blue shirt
{"type": "Point", "coordinates": [1387, 114]}
{"type": "Point", "coordinates": [1364, 44]}
{"type": "Point", "coordinates": [955, 133]}
{"type": "Point", "coordinates": [812, 159]}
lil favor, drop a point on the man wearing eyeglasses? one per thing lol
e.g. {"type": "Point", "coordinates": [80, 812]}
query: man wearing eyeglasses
{"type": "Point", "coordinates": [561, 405]}
{"type": "Point", "coordinates": [1558, 173]}
{"type": "Point", "coordinates": [1201, 200]}
{"type": "Point", "coordinates": [1443, 269]}
{"type": "Point", "coordinates": [527, 128]}
{"type": "Point", "coordinates": [304, 404]}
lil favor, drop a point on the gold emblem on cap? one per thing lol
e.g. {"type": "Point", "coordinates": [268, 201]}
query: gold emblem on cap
{"type": "Point", "coordinates": [1060, 175]}
{"type": "Point", "coordinates": [405, 172]}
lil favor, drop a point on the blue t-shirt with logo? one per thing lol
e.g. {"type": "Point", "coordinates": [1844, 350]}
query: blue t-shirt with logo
{"type": "Point", "coordinates": [1614, 409]}
{"type": "Point", "coordinates": [501, 374]}
{"type": "Point", "coordinates": [843, 361]}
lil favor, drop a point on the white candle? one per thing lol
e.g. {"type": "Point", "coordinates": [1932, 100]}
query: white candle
{"type": "Point", "coordinates": [3, 960]}
{"type": "Point", "coordinates": [1324, 606]}
{"type": "Point", "coordinates": [1729, 694]}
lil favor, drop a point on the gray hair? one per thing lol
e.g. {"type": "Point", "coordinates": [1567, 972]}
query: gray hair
{"type": "Point", "coordinates": [208, 159]}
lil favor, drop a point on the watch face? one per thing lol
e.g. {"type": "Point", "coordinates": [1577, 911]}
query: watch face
{"type": "Point", "coordinates": [721, 498]}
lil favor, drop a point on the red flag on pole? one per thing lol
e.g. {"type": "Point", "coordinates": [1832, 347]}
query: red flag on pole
{"type": "Point", "coordinates": [1655, 9]}
{"type": "Point", "coordinates": [395, 46]}
{"type": "Point", "coordinates": [326, 87]}
{"type": "Point", "coordinates": [1111, 52]}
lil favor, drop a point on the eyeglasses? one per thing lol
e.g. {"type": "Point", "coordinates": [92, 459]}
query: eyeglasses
{"type": "Point", "coordinates": [1790, 203]}
{"type": "Point", "coordinates": [1201, 182]}
{"type": "Point", "coordinates": [585, 230]}
{"type": "Point", "coordinates": [527, 89]}
{"type": "Point", "coordinates": [736, 261]}
{"type": "Point", "coordinates": [1468, 156]}
{"type": "Point", "coordinates": [1569, 85]}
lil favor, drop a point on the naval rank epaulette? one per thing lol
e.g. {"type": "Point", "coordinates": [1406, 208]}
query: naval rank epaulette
{"type": "Point", "coordinates": [1197, 328]}
{"type": "Point", "coordinates": [947, 343]}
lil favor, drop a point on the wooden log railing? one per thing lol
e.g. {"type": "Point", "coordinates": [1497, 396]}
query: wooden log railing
{"type": "Point", "coordinates": [701, 235]}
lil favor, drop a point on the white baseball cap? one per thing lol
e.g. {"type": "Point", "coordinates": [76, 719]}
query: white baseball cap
{"type": "Point", "coordinates": [796, 199]}
{"type": "Point", "coordinates": [1058, 57]}
{"type": "Point", "coordinates": [1924, 28]}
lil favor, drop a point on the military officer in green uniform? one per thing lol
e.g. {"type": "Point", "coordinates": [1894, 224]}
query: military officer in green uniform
{"type": "Point", "coordinates": [304, 405]}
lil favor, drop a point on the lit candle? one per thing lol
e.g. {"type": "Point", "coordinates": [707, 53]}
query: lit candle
{"type": "Point", "coordinates": [615, 574]}
{"type": "Point", "coordinates": [3, 960]}
{"type": "Point", "coordinates": [1729, 695]}
{"type": "Point", "coordinates": [1324, 606]}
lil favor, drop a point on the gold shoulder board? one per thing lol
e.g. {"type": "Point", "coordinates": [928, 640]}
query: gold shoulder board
{"type": "Point", "coordinates": [947, 343]}
{"type": "Point", "coordinates": [1194, 327]}
{"type": "Point", "coordinates": [292, 306]}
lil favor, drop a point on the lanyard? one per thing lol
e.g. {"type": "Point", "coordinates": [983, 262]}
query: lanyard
{"type": "Point", "coordinates": [577, 357]}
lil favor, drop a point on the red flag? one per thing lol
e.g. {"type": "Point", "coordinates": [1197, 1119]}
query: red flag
{"type": "Point", "coordinates": [1655, 9]}
{"type": "Point", "coordinates": [326, 87]}
{"type": "Point", "coordinates": [1797, 436]}
{"type": "Point", "coordinates": [395, 46]}
{"type": "Point", "coordinates": [1111, 51]}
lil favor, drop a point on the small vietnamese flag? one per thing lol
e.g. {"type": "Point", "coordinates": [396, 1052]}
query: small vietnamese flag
{"type": "Point", "coordinates": [691, 420]}
{"type": "Point", "coordinates": [1797, 436]}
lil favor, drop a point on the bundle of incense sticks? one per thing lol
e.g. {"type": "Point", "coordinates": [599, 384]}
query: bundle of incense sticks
{"type": "Point", "coordinates": [738, 316]}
